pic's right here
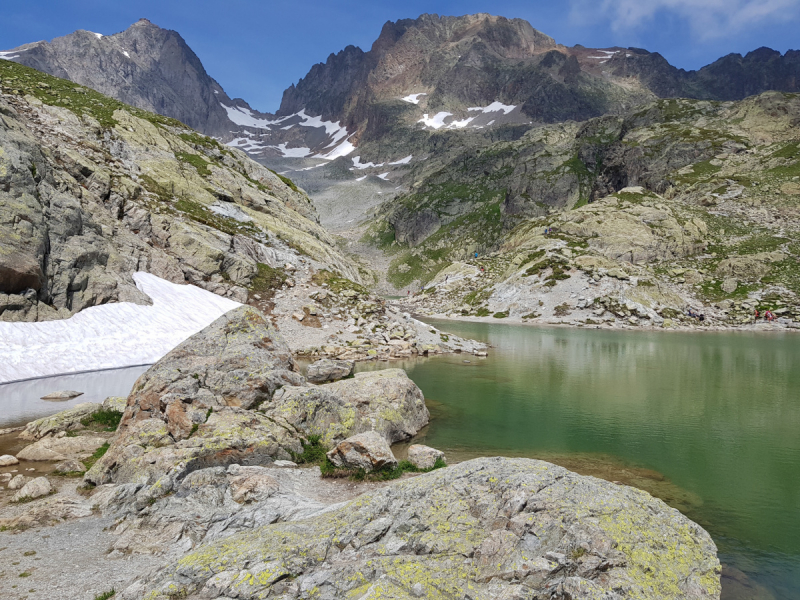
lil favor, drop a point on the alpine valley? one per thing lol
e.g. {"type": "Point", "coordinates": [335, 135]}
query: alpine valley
{"type": "Point", "coordinates": [444, 153]}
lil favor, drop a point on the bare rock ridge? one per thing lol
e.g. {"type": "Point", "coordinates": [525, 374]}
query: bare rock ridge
{"type": "Point", "coordinates": [440, 65]}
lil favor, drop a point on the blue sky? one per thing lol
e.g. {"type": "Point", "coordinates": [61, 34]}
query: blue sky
{"type": "Point", "coordinates": [256, 49]}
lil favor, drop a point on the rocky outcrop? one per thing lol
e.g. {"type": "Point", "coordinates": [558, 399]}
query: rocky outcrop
{"type": "Point", "coordinates": [93, 190]}
{"type": "Point", "coordinates": [385, 401]}
{"type": "Point", "coordinates": [325, 370]}
{"type": "Point", "coordinates": [367, 451]}
{"type": "Point", "coordinates": [490, 528]}
{"type": "Point", "coordinates": [190, 408]}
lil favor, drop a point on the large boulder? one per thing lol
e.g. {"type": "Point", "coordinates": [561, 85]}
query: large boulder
{"type": "Point", "coordinates": [239, 360]}
{"type": "Point", "coordinates": [424, 457]}
{"type": "Point", "coordinates": [189, 410]}
{"type": "Point", "coordinates": [368, 451]}
{"type": "Point", "coordinates": [487, 528]}
{"type": "Point", "coordinates": [7, 460]}
{"type": "Point", "coordinates": [328, 369]}
{"type": "Point", "coordinates": [385, 401]}
{"type": "Point", "coordinates": [35, 488]}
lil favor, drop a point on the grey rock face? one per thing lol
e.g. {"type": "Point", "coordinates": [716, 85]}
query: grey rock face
{"type": "Point", "coordinates": [144, 66]}
{"type": "Point", "coordinates": [70, 466]}
{"type": "Point", "coordinates": [18, 482]}
{"type": "Point", "coordinates": [487, 528]}
{"type": "Point", "coordinates": [328, 369]}
{"type": "Point", "coordinates": [368, 451]}
{"type": "Point", "coordinates": [61, 448]}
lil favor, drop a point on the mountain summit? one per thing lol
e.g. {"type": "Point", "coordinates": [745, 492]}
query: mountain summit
{"type": "Point", "coordinates": [144, 66]}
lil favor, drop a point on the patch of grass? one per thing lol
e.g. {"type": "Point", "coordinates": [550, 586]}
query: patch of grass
{"type": "Point", "coordinates": [268, 280]}
{"type": "Point", "coordinates": [25, 574]}
{"type": "Point", "coordinates": [197, 161]}
{"type": "Point", "coordinates": [314, 452]}
{"type": "Point", "coordinates": [98, 454]}
{"type": "Point", "coordinates": [562, 310]}
{"type": "Point", "coordinates": [287, 181]}
{"type": "Point", "coordinates": [577, 553]}
{"type": "Point", "coordinates": [29, 553]}
{"type": "Point", "coordinates": [500, 315]}
{"type": "Point", "coordinates": [106, 595]}
{"type": "Point", "coordinates": [336, 283]}
{"type": "Point", "coordinates": [202, 214]}
{"type": "Point", "coordinates": [383, 474]}
{"type": "Point", "coordinates": [482, 312]}
{"type": "Point", "coordinates": [107, 419]}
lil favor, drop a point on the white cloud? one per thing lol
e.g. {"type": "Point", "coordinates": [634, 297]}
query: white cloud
{"type": "Point", "coordinates": [707, 19]}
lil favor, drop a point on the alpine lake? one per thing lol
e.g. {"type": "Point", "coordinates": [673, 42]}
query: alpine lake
{"type": "Point", "coordinates": [708, 422]}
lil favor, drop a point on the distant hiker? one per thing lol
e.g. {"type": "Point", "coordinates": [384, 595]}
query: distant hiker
{"type": "Point", "coordinates": [476, 255]}
{"type": "Point", "coordinates": [756, 314]}
{"type": "Point", "coordinates": [702, 317]}
{"type": "Point", "coordinates": [768, 315]}
{"type": "Point", "coordinates": [408, 293]}
{"type": "Point", "coordinates": [545, 230]}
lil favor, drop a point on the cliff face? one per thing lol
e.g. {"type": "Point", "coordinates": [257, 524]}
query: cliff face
{"type": "Point", "coordinates": [93, 190]}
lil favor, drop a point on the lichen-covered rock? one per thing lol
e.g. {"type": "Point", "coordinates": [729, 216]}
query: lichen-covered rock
{"type": "Point", "coordinates": [146, 453]}
{"type": "Point", "coordinates": [116, 403]}
{"type": "Point", "coordinates": [385, 401]}
{"type": "Point", "coordinates": [328, 369]}
{"type": "Point", "coordinates": [61, 448]}
{"type": "Point", "coordinates": [487, 528]}
{"type": "Point", "coordinates": [70, 465]}
{"type": "Point", "coordinates": [36, 488]}
{"type": "Point", "coordinates": [368, 451]}
{"type": "Point", "coordinates": [424, 457]}
{"type": "Point", "coordinates": [62, 395]}
{"type": "Point", "coordinates": [239, 360]}
{"type": "Point", "coordinates": [65, 420]}
{"type": "Point", "coordinates": [188, 410]}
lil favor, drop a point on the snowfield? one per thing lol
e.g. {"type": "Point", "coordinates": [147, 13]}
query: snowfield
{"type": "Point", "coordinates": [110, 336]}
{"type": "Point", "coordinates": [414, 98]}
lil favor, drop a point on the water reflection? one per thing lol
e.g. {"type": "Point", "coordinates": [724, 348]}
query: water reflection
{"type": "Point", "coordinates": [20, 402]}
{"type": "Point", "coordinates": [717, 414]}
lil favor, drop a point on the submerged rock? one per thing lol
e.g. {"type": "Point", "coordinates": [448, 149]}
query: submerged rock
{"type": "Point", "coordinates": [328, 369]}
{"type": "Point", "coordinates": [424, 457]}
{"type": "Point", "coordinates": [63, 395]}
{"type": "Point", "coordinates": [368, 451]}
{"type": "Point", "coordinates": [487, 528]}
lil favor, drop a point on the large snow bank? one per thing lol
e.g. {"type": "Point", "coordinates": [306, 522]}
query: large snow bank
{"type": "Point", "coordinates": [111, 335]}
{"type": "Point", "coordinates": [413, 98]}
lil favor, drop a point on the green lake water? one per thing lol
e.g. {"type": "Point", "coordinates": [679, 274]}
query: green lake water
{"type": "Point", "coordinates": [709, 422]}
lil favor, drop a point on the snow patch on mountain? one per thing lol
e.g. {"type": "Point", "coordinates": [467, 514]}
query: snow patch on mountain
{"type": "Point", "coordinates": [403, 161]}
{"type": "Point", "coordinates": [10, 54]}
{"type": "Point", "coordinates": [342, 149]}
{"type": "Point", "coordinates": [359, 165]}
{"type": "Point", "coordinates": [384, 176]}
{"type": "Point", "coordinates": [436, 121]}
{"type": "Point", "coordinates": [414, 98]}
{"type": "Point", "coordinates": [292, 152]}
{"type": "Point", "coordinates": [362, 178]}
{"type": "Point", "coordinates": [110, 336]}
{"type": "Point", "coordinates": [494, 107]}
{"type": "Point", "coordinates": [245, 118]}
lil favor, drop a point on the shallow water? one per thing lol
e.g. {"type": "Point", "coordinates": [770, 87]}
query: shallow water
{"type": "Point", "coordinates": [21, 402]}
{"type": "Point", "coordinates": [708, 422]}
